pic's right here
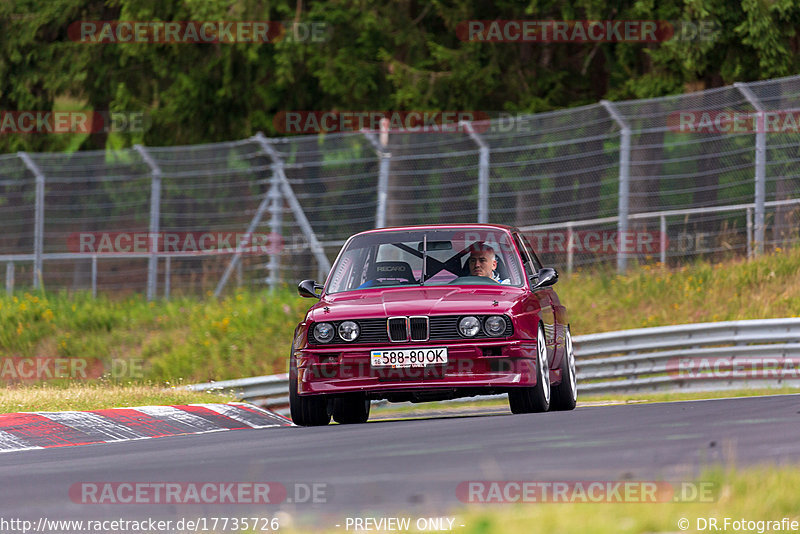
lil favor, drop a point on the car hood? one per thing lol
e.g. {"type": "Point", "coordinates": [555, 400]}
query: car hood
{"type": "Point", "coordinates": [414, 301]}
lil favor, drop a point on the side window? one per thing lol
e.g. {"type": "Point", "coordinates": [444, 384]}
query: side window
{"type": "Point", "coordinates": [537, 265]}
{"type": "Point", "coordinates": [527, 262]}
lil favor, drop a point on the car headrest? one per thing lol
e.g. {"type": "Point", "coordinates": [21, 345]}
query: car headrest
{"type": "Point", "coordinates": [393, 269]}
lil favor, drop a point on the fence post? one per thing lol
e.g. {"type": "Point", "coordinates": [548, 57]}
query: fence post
{"type": "Point", "coordinates": [167, 275]}
{"type": "Point", "coordinates": [323, 263]}
{"type": "Point", "coordinates": [94, 276]}
{"type": "Point", "coordinates": [761, 167]}
{"type": "Point", "coordinates": [38, 224]}
{"type": "Point", "coordinates": [275, 223]}
{"type": "Point", "coordinates": [277, 166]}
{"type": "Point", "coordinates": [483, 172]}
{"type": "Point", "coordinates": [155, 220]}
{"type": "Point", "coordinates": [384, 158]}
{"type": "Point", "coordinates": [10, 277]}
{"type": "Point", "coordinates": [624, 181]}
{"type": "Point", "coordinates": [662, 240]}
{"type": "Point", "coordinates": [285, 190]}
{"type": "Point", "coordinates": [749, 233]}
{"type": "Point", "coordinates": [570, 247]}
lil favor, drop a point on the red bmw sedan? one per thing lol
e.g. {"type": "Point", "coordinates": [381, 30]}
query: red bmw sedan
{"type": "Point", "coordinates": [427, 313]}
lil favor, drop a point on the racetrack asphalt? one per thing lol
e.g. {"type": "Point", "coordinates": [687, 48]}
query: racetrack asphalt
{"type": "Point", "coordinates": [412, 465]}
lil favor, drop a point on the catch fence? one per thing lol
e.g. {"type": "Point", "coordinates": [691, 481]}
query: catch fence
{"type": "Point", "coordinates": [706, 174]}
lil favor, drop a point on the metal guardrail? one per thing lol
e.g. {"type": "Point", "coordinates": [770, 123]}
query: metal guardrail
{"type": "Point", "coordinates": [691, 357]}
{"type": "Point", "coordinates": [269, 391]}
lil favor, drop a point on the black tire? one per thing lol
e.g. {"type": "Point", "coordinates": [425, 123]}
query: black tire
{"type": "Point", "coordinates": [351, 409]}
{"type": "Point", "coordinates": [534, 399]}
{"type": "Point", "coordinates": [565, 395]}
{"type": "Point", "coordinates": [307, 410]}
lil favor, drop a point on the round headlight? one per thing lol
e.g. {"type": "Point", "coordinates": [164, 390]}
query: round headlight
{"type": "Point", "coordinates": [495, 325]}
{"type": "Point", "coordinates": [348, 331]}
{"type": "Point", "coordinates": [323, 332]}
{"type": "Point", "coordinates": [469, 326]}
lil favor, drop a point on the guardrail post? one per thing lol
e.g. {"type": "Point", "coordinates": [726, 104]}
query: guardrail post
{"type": "Point", "coordinates": [155, 220]}
{"type": "Point", "coordinates": [760, 164]}
{"type": "Point", "coordinates": [38, 224]}
{"type": "Point", "coordinates": [10, 277]}
{"type": "Point", "coordinates": [624, 181]}
{"type": "Point", "coordinates": [384, 159]}
{"type": "Point", "coordinates": [483, 172]}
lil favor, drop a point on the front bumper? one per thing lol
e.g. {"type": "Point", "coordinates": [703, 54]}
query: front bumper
{"type": "Point", "coordinates": [496, 365]}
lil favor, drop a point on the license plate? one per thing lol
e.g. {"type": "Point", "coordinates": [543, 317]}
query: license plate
{"type": "Point", "coordinates": [397, 358]}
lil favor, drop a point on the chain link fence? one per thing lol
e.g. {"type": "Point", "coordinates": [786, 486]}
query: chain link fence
{"type": "Point", "coordinates": [666, 179]}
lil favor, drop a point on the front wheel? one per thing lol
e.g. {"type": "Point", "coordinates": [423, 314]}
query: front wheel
{"type": "Point", "coordinates": [307, 410]}
{"type": "Point", "coordinates": [535, 399]}
{"type": "Point", "coordinates": [351, 409]}
{"type": "Point", "coordinates": [565, 395]}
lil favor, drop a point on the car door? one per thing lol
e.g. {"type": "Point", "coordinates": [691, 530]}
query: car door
{"type": "Point", "coordinates": [545, 296]}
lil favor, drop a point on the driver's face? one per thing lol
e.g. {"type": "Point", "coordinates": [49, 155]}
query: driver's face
{"type": "Point", "coordinates": [482, 263]}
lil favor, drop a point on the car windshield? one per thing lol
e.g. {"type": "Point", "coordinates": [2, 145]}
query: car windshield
{"type": "Point", "coordinates": [461, 256]}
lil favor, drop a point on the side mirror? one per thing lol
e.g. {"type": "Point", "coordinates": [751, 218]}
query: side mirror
{"type": "Point", "coordinates": [547, 277]}
{"type": "Point", "coordinates": [308, 289]}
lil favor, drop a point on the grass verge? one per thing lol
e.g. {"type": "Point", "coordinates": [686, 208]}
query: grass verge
{"type": "Point", "coordinates": [763, 288]}
{"type": "Point", "coordinates": [48, 398]}
{"type": "Point", "coordinates": [248, 333]}
{"type": "Point", "coordinates": [756, 495]}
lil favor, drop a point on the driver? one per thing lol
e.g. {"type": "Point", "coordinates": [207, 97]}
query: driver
{"type": "Point", "coordinates": [482, 262]}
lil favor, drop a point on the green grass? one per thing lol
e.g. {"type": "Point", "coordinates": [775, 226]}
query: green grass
{"type": "Point", "coordinates": [49, 398]}
{"type": "Point", "coordinates": [187, 338]}
{"type": "Point", "coordinates": [755, 494]}
{"type": "Point", "coordinates": [248, 333]}
{"type": "Point", "coordinates": [767, 287]}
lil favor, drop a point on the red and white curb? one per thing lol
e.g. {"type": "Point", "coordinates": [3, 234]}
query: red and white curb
{"type": "Point", "coordinates": [42, 430]}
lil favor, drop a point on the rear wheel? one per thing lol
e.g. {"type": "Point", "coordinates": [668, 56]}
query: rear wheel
{"type": "Point", "coordinates": [534, 399]}
{"type": "Point", "coordinates": [565, 395]}
{"type": "Point", "coordinates": [351, 409]}
{"type": "Point", "coordinates": [307, 410]}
